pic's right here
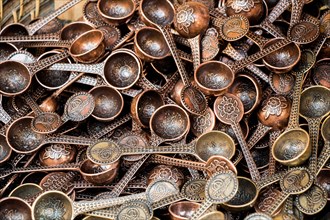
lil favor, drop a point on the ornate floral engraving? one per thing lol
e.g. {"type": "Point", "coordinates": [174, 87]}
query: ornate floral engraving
{"type": "Point", "coordinates": [50, 208]}
{"type": "Point", "coordinates": [202, 122]}
{"type": "Point", "coordinates": [11, 214]}
{"type": "Point", "coordinates": [241, 5]}
{"type": "Point", "coordinates": [228, 108]}
{"type": "Point", "coordinates": [185, 17]}
{"type": "Point", "coordinates": [274, 106]}
{"type": "Point", "coordinates": [56, 152]}
{"type": "Point", "coordinates": [167, 173]}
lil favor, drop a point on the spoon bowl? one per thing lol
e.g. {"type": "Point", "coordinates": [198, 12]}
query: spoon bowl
{"type": "Point", "coordinates": [122, 69]}
{"type": "Point", "coordinates": [116, 12]}
{"type": "Point", "coordinates": [144, 105]}
{"type": "Point", "coordinates": [155, 12]}
{"type": "Point", "coordinates": [315, 102]}
{"type": "Point", "coordinates": [283, 59]}
{"type": "Point", "coordinates": [182, 210]}
{"type": "Point", "coordinates": [292, 148]}
{"type": "Point", "coordinates": [215, 143]}
{"type": "Point", "coordinates": [15, 208]}
{"type": "Point", "coordinates": [245, 197]}
{"type": "Point", "coordinates": [170, 122]}
{"type": "Point", "coordinates": [108, 103]}
{"type": "Point", "coordinates": [214, 77]}
{"type": "Point", "coordinates": [150, 45]}
{"type": "Point", "coordinates": [88, 47]}
{"type": "Point", "coordinates": [74, 29]}
{"type": "Point", "coordinates": [52, 205]}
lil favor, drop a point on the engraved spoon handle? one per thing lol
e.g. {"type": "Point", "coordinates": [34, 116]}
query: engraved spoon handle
{"type": "Point", "coordinates": [4, 116]}
{"type": "Point", "coordinates": [262, 183]}
{"type": "Point", "coordinates": [177, 162]}
{"type": "Point", "coordinates": [273, 135]}
{"type": "Point", "coordinates": [87, 206]}
{"type": "Point", "coordinates": [258, 134]}
{"type": "Point", "coordinates": [278, 9]}
{"type": "Point", "coordinates": [324, 156]}
{"type": "Point", "coordinates": [168, 200]}
{"type": "Point", "coordinates": [28, 38]}
{"type": "Point", "coordinates": [120, 186]}
{"type": "Point", "coordinates": [236, 66]}
{"type": "Point", "coordinates": [246, 152]}
{"type": "Point", "coordinates": [33, 105]}
{"type": "Point", "coordinates": [277, 203]}
{"type": "Point", "coordinates": [171, 44]}
{"type": "Point", "coordinates": [170, 149]}
{"type": "Point", "coordinates": [233, 53]}
{"type": "Point", "coordinates": [42, 64]}
{"type": "Point", "coordinates": [110, 127]}
{"type": "Point", "coordinates": [48, 43]}
{"type": "Point", "coordinates": [201, 210]}
{"type": "Point", "coordinates": [66, 139]}
{"type": "Point", "coordinates": [313, 127]}
{"type": "Point", "coordinates": [195, 50]}
{"type": "Point", "coordinates": [86, 68]}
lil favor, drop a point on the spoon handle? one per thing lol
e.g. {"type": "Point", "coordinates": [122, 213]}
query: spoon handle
{"type": "Point", "coordinates": [64, 167]}
{"type": "Point", "coordinates": [34, 27]}
{"type": "Point", "coordinates": [168, 200]}
{"type": "Point", "coordinates": [110, 127]}
{"type": "Point", "coordinates": [66, 139]}
{"type": "Point", "coordinates": [246, 152]}
{"type": "Point", "coordinates": [259, 133]}
{"type": "Point", "coordinates": [4, 116]}
{"type": "Point", "coordinates": [278, 9]}
{"type": "Point", "coordinates": [257, 39]}
{"type": "Point", "coordinates": [273, 135]}
{"type": "Point", "coordinates": [294, 114]}
{"type": "Point", "coordinates": [313, 127]}
{"type": "Point", "coordinates": [33, 105]}
{"type": "Point", "coordinates": [120, 186]}
{"type": "Point", "coordinates": [323, 158]}
{"type": "Point", "coordinates": [23, 110]}
{"type": "Point", "coordinates": [277, 203]}
{"type": "Point", "coordinates": [87, 206]}
{"type": "Point", "coordinates": [262, 183]}
{"type": "Point", "coordinates": [42, 64]}
{"type": "Point", "coordinates": [233, 53]}
{"type": "Point", "coordinates": [272, 29]}
{"type": "Point", "coordinates": [177, 162]}
{"type": "Point", "coordinates": [171, 44]}
{"type": "Point", "coordinates": [48, 43]}
{"type": "Point", "coordinates": [169, 149]}
{"type": "Point", "coordinates": [86, 68]}
{"type": "Point", "coordinates": [28, 38]}
{"type": "Point", "coordinates": [296, 11]}
{"type": "Point", "coordinates": [236, 66]}
{"type": "Point", "coordinates": [201, 210]}
{"type": "Point", "coordinates": [195, 50]}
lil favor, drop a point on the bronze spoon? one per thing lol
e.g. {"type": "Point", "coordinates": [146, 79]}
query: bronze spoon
{"type": "Point", "coordinates": [161, 14]}
{"type": "Point", "coordinates": [70, 210]}
{"type": "Point", "coordinates": [293, 146]}
{"type": "Point", "coordinates": [314, 106]}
